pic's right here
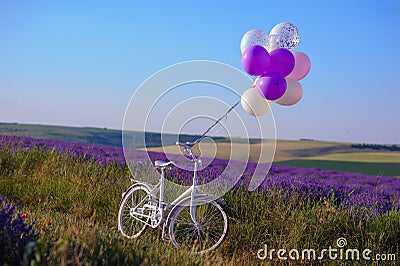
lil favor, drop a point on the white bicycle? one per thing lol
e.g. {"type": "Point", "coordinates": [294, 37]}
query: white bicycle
{"type": "Point", "coordinates": [195, 223]}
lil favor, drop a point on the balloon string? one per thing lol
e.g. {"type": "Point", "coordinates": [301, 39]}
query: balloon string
{"type": "Point", "coordinates": [216, 123]}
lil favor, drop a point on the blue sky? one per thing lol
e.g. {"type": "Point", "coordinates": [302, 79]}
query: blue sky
{"type": "Point", "coordinates": [79, 62]}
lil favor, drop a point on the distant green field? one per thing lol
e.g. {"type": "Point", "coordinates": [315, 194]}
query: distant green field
{"type": "Point", "coordinates": [381, 169]}
{"type": "Point", "coordinates": [63, 133]}
{"type": "Point", "coordinates": [366, 157]}
{"type": "Point", "coordinates": [102, 136]}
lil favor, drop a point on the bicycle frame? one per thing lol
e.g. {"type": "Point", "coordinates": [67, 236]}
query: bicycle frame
{"type": "Point", "coordinates": [193, 192]}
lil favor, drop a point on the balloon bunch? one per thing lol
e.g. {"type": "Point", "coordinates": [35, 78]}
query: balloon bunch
{"type": "Point", "coordinates": [277, 69]}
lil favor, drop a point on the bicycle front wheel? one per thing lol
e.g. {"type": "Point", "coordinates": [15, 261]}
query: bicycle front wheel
{"type": "Point", "coordinates": [206, 235]}
{"type": "Point", "coordinates": [133, 216]}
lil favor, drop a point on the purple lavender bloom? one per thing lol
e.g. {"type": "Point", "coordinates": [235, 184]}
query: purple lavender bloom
{"type": "Point", "coordinates": [14, 235]}
{"type": "Point", "coordinates": [365, 205]}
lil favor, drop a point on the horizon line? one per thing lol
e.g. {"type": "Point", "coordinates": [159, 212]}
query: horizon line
{"type": "Point", "coordinates": [303, 139]}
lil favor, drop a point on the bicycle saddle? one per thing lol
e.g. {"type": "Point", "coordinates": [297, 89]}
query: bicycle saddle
{"type": "Point", "coordinates": [162, 164]}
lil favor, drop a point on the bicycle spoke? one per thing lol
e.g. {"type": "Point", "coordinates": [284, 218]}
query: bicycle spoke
{"type": "Point", "coordinates": [201, 237]}
{"type": "Point", "coordinates": [183, 232]}
{"type": "Point", "coordinates": [184, 222]}
{"type": "Point", "coordinates": [133, 217]}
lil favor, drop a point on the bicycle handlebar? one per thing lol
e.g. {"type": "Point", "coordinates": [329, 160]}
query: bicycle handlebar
{"type": "Point", "coordinates": [187, 147]}
{"type": "Point", "coordinates": [186, 144]}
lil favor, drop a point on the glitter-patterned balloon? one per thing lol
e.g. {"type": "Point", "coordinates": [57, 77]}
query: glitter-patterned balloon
{"type": "Point", "coordinates": [286, 36]}
{"type": "Point", "coordinates": [254, 37]}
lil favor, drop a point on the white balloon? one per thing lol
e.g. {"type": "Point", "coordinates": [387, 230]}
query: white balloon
{"type": "Point", "coordinates": [293, 93]}
{"type": "Point", "coordinates": [253, 103]}
{"type": "Point", "coordinates": [273, 42]}
{"type": "Point", "coordinates": [254, 37]}
{"type": "Point", "coordinates": [285, 35]}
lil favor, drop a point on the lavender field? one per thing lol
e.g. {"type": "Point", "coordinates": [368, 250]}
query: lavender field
{"type": "Point", "coordinates": [375, 194]}
{"type": "Point", "coordinates": [362, 202]}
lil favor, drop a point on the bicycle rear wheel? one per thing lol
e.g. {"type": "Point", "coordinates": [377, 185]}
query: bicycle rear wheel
{"type": "Point", "coordinates": [133, 216]}
{"type": "Point", "coordinates": [207, 235]}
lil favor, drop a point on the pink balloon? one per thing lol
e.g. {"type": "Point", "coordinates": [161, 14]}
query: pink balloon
{"type": "Point", "coordinates": [293, 93]}
{"type": "Point", "coordinates": [281, 61]}
{"type": "Point", "coordinates": [255, 60]}
{"type": "Point", "coordinates": [302, 66]}
{"type": "Point", "coordinates": [271, 85]}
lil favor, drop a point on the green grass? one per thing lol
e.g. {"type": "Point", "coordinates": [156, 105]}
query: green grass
{"type": "Point", "coordinates": [380, 169]}
{"type": "Point", "coordinates": [81, 199]}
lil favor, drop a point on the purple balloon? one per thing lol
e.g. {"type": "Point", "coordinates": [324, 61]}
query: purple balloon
{"type": "Point", "coordinates": [255, 60]}
{"type": "Point", "coordinates": [271, 85]}
{"type": "Point", "coordinates": [281, 61]}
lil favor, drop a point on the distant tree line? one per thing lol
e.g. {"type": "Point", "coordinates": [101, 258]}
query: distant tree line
{"type": "Point", "coordinates": [376, 147]}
